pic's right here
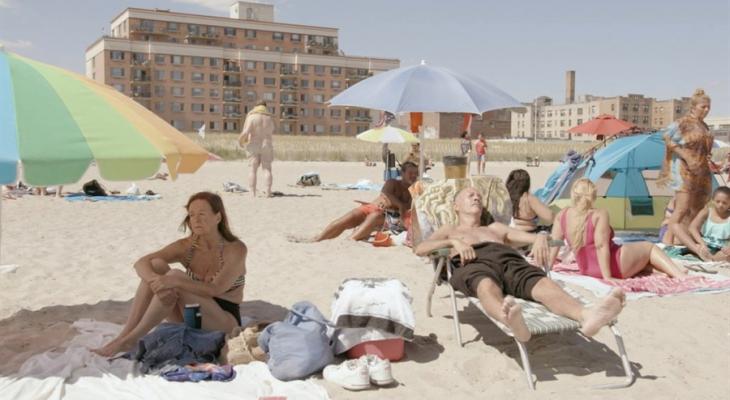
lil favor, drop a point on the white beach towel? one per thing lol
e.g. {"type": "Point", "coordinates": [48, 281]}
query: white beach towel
{"type": "Point", "coordinates": [76, 373]}
{"type": "Point", "coordinates": [379, 303]}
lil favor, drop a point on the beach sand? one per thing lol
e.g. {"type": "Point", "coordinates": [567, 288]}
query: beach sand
{"type": "Point", "coordinates": [75, 262]}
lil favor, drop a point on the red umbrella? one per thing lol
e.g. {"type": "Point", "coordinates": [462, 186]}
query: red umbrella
{"type": "Point", "coordinates": [604, 125]}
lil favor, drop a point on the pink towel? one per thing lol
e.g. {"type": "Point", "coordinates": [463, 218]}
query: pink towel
{"type": "Point", "coordinates": [655, 283]}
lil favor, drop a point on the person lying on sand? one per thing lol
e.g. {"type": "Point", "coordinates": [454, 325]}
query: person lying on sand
{"type": "Point", "coordinates": [369, 217]}
{"type": "Point", "coordinates": [214, 277]}
{"type": "Point", "coordinates": [487, 268]}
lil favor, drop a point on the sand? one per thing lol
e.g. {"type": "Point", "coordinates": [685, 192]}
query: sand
{"type": "Point", "coordinates": [75, 262]}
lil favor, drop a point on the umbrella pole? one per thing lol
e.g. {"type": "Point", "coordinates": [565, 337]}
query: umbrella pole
{"type": "Point", "coordinates": [8, 267]}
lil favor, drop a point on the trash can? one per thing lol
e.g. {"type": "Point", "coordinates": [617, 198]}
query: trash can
{"type": "Point", "coordinates": [455, 167]}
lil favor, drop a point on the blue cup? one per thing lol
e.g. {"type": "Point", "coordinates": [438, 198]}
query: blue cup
{"type": "Point", "coordinates": [191, 315]}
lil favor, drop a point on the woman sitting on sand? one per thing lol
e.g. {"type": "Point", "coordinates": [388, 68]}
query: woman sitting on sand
{"type": "Point", "coordinates": [527, 210]}
{"type": "Point", "coordinates": [214, 276]}
{"type": "Point", "coordinates": [709, 232]}
{"type": "Point", "coordinates": [588, 233]}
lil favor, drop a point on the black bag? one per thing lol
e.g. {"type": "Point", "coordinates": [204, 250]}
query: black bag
{"type": "Point", "coordinates": [93, 188]}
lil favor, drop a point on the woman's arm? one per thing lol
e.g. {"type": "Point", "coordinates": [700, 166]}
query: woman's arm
{"type": "Point", "coordinates": [234, 265]}
{"type": "Point", "coordinates": [556, 234]}
{"type": "Point", "coordinates": [172, 253]}
{"type": "Point", "coordinates": [601, 237]}
{"type": "Point", "coordinates": [543, 212]}
{"type": "Point", "coordinates": [696, 225]}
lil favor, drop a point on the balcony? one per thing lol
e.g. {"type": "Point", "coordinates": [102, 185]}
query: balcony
{"type": "Point", "coordinates": [287, 73]}
{"type": "Point", "coordinates": [232, 83]}
{"type": "Point", "coordinates": [290, 88]}
{"type": "Point", "coordinates": [289, 117]}
{"type": "Point", "coordinates": [232, 69]}
{"type": "Point", "coordinates": [142, 29]}
{"type": "Point", "coordinates": [289, 101]}
{"type": "Point", "coordinates": [140, 78]}
{"type": "Point", "coordinates": [231, 115]}
{"type": "Point", "coordinates": [231, 99]}
{"type": "Point", "coordinates": [143, 95]}
{"type": "Point", "coordinates": [140, 63]}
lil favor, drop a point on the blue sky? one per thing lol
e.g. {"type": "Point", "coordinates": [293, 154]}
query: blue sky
{"type": "Point", "coordinates": [662, 49]}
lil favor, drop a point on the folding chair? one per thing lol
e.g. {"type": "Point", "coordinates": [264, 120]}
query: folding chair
{"type": "Point", "coordinates": [539, 320]}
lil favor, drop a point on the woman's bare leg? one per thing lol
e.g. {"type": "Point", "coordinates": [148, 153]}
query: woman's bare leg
{"type": "Point", "coordinates": [636, 256]}
{"type": "Point", "coordinates": [253, 167]}
{"type": "Point", "coordinates": [348, 221]}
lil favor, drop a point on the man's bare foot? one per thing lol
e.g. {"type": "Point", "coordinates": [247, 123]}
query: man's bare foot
{"type": "Point", "coordinates": [112, 348]}
{"type": "Point", "coordinates": [604, 313]}
{"type": "Point", "coordinates": [512, 314]}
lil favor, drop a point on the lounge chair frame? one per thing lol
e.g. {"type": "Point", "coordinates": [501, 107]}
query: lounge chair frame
{"type": "Point", "coordinates": [557, 323]}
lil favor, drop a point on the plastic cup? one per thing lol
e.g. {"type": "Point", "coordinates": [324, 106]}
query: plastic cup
{"type": "Point", "coordinates": [455, 167]}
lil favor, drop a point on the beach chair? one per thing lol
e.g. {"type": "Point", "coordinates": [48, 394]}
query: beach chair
{"type": "Point", "coordinates": [435, 207]}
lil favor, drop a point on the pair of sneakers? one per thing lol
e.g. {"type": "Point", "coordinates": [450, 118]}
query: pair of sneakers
{"type": "Point", "coordinates": [358, 374]}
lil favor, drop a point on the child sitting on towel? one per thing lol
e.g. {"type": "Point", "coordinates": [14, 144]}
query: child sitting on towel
{"type": "Point", "coordinates": [709, 232]}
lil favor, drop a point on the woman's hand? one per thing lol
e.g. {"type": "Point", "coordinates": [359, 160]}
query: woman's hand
{"type": "Point", "coordinates": [163, 282]}
{"type": "Point", "coordinates": [466, 252]}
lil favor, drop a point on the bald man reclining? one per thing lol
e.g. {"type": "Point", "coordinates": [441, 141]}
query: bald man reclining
{"type": "Point", "coordinates": [481, 252]}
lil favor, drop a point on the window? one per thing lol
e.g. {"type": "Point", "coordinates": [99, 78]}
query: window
{"type": "Point", "coordinates": [295, 37]}
{"type": "Point", "coordinates": [319, 69]}
{"type": "Point", "coordinates": [230, 126]}
{"type": "Point", "coordinates": [197, 61]}
{"type": "Point", "coordinates": [117, 55]}
{"type": "Point", "coordinates": [117, 72]}
{"type": "Point", "coordinates": [318, 128]}
{"type": "Point", "coordinates": [335, 113]}
{"type": "Point", "coordinates": [193, 29]}
{"type": "Point", "coordinates": [160, 75]}
{"type": "Point", "coordinates": [304, 112]}
{"type": "Point", "coordinates": [269, 96]}
{"type": "Point", "coordinates": [335, 70]}
{"type": "Point", "coordinates": [177, 107]}
{"type": "Point", "coordinates": [250, 80]}
{"type": "Point", "coordinates": [177, 91]}
{"type": "Point", "coordinates": [197, 77]}
{"type": "Point", "coordinates": [177, 124]}
{"type": "Point", "coordinates": [277, 36]}
{"type": "Point", "coordinates": [579, 112]}
{"type": "Point", "coordinates": [172, 26]}
{"type": "Point", "coordinates": [319, 112]}
{"type": "Point", "coordinates": [213, 77]}
{"type": "Point", "coordinates": [304, 83]}
{"type": "Point", "coordinates": [197, 92]}
{"type": "Point", "coordinates": [214, 108]}
{"type": "Point", "coordinates": [176, 60]}
{"type": "Point", "coordinates": [250, 65]}
{"type": "Point", "coordinates": [159, 90]}
{"type": "Point", "coordinates": [304, 68]}
{"type": "Point", "coordinates": [160, 106]}
{"type": "Point", "coordinates": [303, 98]}
{"type": "Point", "coordinates": [214, 93]}
{"type": "Point", "coordinates": [318, 98]}
{"type": "Point", "coordinates": [213, 125]}
{"type": "Point", "coordinates": [119, 87]}
{"type": "Point", "coordinates": [250, 34]}
{"type": "Point", "coordinates": [229, 31]}
{"type": "Point", "coordinates": [197, 125]}
{"type": "Point", "coordinates": [319, 84]}
{"type": "Point", "coordinates": [335, 84]}
{"type": "Point", "coordinates": [303, 128]}
{"type": "Point", "coordinates": [177, 75]}
{"type": "Point", "coordinates": [159, 59]}
{"type": "Point", "coordinates": [197, 107]}
{"type": "Point", "coordinates": [269, 66]}
{"type": "Point", "coordinates": [613, 107]}
{"type": "Point", "coordinates": [335, 128]}
{"type": "Point", "coordinates": [215, 62]}
{"type": "Point", "coordinates": [270, 81]}
{"type": "Point", "coordinates": [250, 96]}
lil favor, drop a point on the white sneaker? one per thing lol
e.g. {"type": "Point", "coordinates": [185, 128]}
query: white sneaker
{"type": "Point", "coordinates": [351, 375]}
{"type": "Point", "coordinates": [378, 369]}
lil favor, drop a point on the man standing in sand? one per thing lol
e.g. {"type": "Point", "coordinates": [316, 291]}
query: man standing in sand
{"type": "Point", "coordinates": [489, 269]}
{"type": "Point", "coordinates": [257, 138]}
{"type": "Point", "coordinates": [369, 217]}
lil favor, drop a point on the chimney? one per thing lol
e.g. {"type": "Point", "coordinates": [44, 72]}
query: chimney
{"type": "Point", "coordinates": [569, 87]}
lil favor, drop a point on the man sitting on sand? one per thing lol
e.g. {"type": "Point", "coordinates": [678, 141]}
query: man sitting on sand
{"type": "Point", "coordinates": [370, 216]}
{"type": "Point", "coordinates": [482, 252]}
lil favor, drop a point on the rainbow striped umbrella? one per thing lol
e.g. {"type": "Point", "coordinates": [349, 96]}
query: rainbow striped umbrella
{"type": "Point", "coordinates": [55, 123]}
